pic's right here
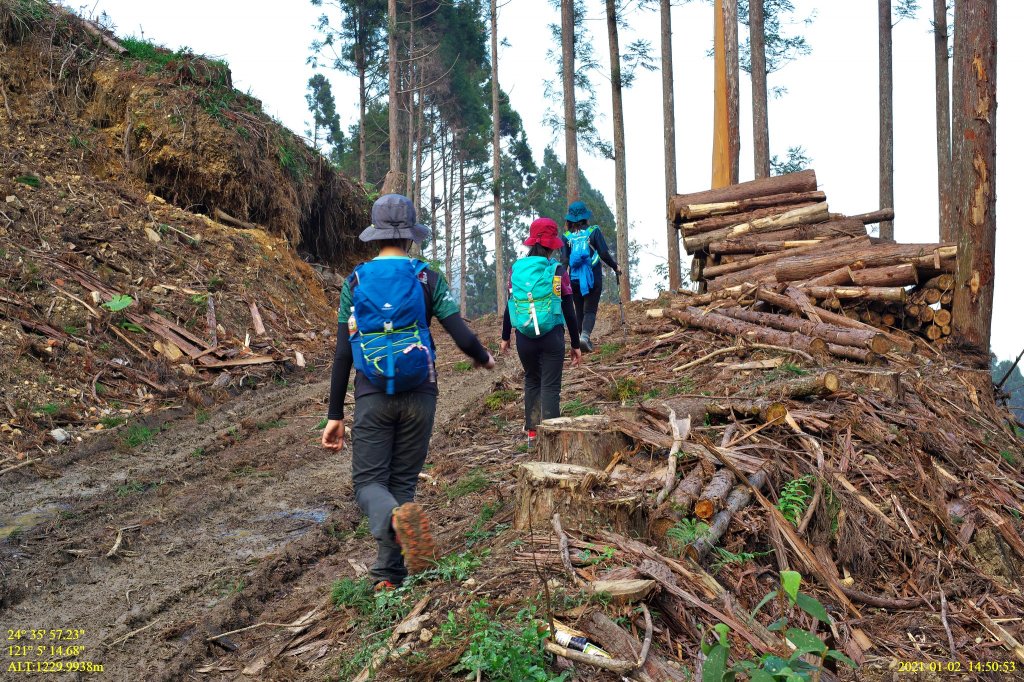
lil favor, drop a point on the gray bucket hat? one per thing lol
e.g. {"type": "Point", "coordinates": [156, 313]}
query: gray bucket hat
{"type": "Point", "coordinates": [394, 217]}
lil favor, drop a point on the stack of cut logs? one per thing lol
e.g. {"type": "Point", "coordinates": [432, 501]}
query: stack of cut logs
{"type": "Point", "coordinates": [778, 232]}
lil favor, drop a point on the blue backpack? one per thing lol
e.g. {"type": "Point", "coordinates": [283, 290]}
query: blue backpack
{"type": "Point", "coordinates": [390, 336]}
{"type": "Point", "coordinates": [580, 252]}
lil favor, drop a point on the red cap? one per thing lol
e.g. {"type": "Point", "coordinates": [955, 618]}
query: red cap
{"type": "Point", "coordinates": [544, 231]}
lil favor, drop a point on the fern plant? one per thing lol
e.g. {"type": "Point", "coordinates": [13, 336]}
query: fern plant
{"type": "Point", "coordinates": [795, 497]}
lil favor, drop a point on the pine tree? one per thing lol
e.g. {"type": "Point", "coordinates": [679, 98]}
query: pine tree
{"type": "Point", "coordinates": [480, 282]}
{"type": "Point", "coordinates": [320, 100]}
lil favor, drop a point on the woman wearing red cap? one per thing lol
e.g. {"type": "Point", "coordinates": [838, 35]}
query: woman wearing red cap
{"type": "Point", "coordinates": [540, 308]}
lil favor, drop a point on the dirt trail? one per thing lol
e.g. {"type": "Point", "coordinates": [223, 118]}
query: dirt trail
{"type": "Point", "coordinates": [216, 519]}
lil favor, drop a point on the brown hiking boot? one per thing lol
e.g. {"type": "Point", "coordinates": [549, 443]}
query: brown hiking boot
{"type": "Point", "coordinates": [412, 530]}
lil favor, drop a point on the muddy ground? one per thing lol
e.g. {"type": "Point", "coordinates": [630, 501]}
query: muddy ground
{"type": "Point", "coordinates": [223, 519]}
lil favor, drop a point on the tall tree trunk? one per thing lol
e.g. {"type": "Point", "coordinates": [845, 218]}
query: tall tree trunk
{"type": "Point", "coordinates": [885, 141]}
{"type": "Point", "coordinates": [463, 281]}
{"type": "Point", "coordinates": [393, 181]}
{"type": "Point", "coordinates": [572, 174]}
{"type": "Point", "coordinates": [668, 111]}
{"type": "Point", "coordinates": [759, 87]}
{"type": "Point", "coordinates": [619, 142]}
{"type": "Point", "coordinates": [433, 192]}
{"type": "Point", "coordinates": [942, 142]}
{"type": "Point", "coordinates": [725, 142]}
{"type": "Point", "coordinates": [732, 71]}
{"type": "Point", "coordinates": [974, 172]}
{"type": "Point", "coordinates": [410, 88]}
{"type": "Point", "coordinates": [499, 246]}
{"type": "Point", "coordinates": [447, 183]}
{"type": "Point", "coordinates": [418, 191]}
{"type": "Point", "coordinates": [362, 125]}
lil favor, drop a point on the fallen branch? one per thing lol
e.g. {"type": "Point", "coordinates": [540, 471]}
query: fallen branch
{"type": "Point", "coordinates": [613, 664]}
{"type": "Point", "coordinates": [680, 431]}
{"type": "Point", "coordinates": [22, 464]}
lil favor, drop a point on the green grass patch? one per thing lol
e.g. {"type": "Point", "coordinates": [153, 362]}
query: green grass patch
{"type": "Point", "coordinates": [198, 453]}
{"type": "Point", "coordinates": [576, 408]}
{"type": "Point", "coordinates": [198, 299]}
{"type": "Point", "coordinates": [500, 398]}
{"type": "Point", "coordinates": [627, 388]}
{"type": "Point", "coordinates": [112, 421]}
{"type": "Point", "coordinates": [134, 488]}
{"type": "Point", "coordinates": [71, 330]}
{"type": "Point", "coordinates": [321, 425]}
{"type": "Point", "coordinates": [473, 482]}
{"type": "Point", "coordinates": [272, 424]}
{"type": "Point", "coordinates": [453, 568]}
{"type": "Point", "coordinates": [463, 366]}
{"type": "Point", "coordinates": [202, 416]}
{"type": "Point", "coordinates": [138, 434]}
{"type": "Point", "coordinates": [500, 652]}
{"type": "Point", "coordinates": [606, 350]}
{"type": "Point", "coordinates": [49, 409]}
{"type": "Point", "coordinates": [795, 497]}
{"type": "Point", "coordinates": [1008, 457]}
{"type": "Point", "coordinates": [478, 533]}
{"type": "Point", "coordinates": [790, 368]}
{"type": "Point", "coordinates": [156, 56]}
{"type": "Point", "coordinates": [30, 180]}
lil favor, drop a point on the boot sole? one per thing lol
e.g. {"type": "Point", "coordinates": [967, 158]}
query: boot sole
{"type": "Point", "coordinates": [412, 529]}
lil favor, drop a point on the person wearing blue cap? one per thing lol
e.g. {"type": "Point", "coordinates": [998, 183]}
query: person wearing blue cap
{"type": "Point", "coordinates": [384, 331]}
{"type": "Point", "coordinates": [582, 252]}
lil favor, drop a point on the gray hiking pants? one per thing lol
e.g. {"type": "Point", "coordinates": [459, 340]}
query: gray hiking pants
{"type": "Point", "coordinates": [390, 438]}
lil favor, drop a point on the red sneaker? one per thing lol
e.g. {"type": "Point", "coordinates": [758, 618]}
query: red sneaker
{"type": "Point", "coordinates": [531, 440]}
{"type": "Point", "coordinates": [384, 586]}
{"type": "Point", "coordinates": [412, 529]}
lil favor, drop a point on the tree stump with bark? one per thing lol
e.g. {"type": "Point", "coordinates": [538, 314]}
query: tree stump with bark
{"type": "Point", "coordinates": [581, 495]}
{"type": "Point", "coordinates": [587, 441]}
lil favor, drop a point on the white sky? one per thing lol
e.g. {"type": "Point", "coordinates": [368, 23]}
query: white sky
{"type": "Point", "coordinates": [830, 108]}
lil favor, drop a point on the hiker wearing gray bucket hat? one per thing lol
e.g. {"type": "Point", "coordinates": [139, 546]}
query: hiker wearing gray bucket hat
{"type": "Point", "coordinates": [384, 318]}
{"type": "Point", "coordinates": [394, 217]}
{"type": "Point", "coordinates": [582, 252]}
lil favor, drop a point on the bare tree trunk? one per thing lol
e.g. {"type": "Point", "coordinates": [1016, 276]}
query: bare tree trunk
{"type": "Point", "coordinates": [362, 125]}
{"type": "Point", "coordinates": [447, 169]}
{"type": "Point", "coordinates": [942, 142]}
{"type": "Point", "coordinates": [499, 245]}
{"type": "Point", "coordinates": [732, 70]}
{"type": "Point", "coordinates": [433, 193]}
{"type": "Point", "coordinates": [885, 141]}
{"type": "Point", "coordinates": [668, 108]}
{"type": "Point", "coordinates": [462, 237]}
{"type": "Point", "coordinates": [619, 142]}
{"type": "Point", "coordinates": [974, 175]}
{"type": "Point", "coordinates": [411, 91]}
{"type": "Point", "coordinates": [759, 87]}
{"type": "Point", "coordinates": [572, 177]}
{"type": "Point", "coordinates": [418, 192]}
{"type": "Point", "coordinates": [393, 180]}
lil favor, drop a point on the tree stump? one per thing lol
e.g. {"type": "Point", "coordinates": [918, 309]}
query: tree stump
{"type": "Point", "coordinates": [582, 496]}
{"type": "Point", "coordinates": [587, 441]}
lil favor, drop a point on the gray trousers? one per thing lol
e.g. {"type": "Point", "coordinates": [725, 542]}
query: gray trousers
{"type": "Point", "coordinates": [390, 438]}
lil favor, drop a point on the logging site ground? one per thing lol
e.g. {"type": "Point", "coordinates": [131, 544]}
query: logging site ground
{"type": "Point", "coordinates": [792, 475]}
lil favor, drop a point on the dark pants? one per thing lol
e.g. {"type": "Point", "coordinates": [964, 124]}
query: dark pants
{"type": "Point", "coordinates": [586, 306]}
{"type": "Point", "coordinates": [542, 360]}
{"type": "Point", "coordinates": [390, 437]}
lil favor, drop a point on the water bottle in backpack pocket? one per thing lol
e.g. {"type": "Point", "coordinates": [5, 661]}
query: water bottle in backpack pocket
{"type": "Point", "coordinates": [535, 307]}
{"type": "Point", "coordinates": [391, 344]}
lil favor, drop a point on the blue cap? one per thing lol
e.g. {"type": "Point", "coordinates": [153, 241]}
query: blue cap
{"type": "Point", "coordinates": [578, 211]}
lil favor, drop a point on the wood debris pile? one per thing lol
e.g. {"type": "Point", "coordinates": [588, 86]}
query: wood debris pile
{"type": "Point", "coordinates": [778, 231]}
{"type": "Point", "coordinates": [907, 479]}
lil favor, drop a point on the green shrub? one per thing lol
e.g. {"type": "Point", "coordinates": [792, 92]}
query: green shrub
{"type": "Point", "coordinates": [576, 408]}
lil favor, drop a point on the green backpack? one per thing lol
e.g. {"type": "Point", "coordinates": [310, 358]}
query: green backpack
{"type": "Point", "coordinates": [535, 307]}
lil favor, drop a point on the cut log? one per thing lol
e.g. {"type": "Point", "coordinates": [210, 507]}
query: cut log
{"type": "Point", "coordinates": [694, 317]}
{"type": "Point", "coordinates": [622, 592]}
{"type": "Point", "coordinates": [697, 268]}
{"type": "Point", "coordinates": [872, 340]}
{"type": "Point", "coordinates": [933, 332]}
{"type": "Point", "coordinates": [699, 409]}
{"type": "Point", "coordinates": [623, 645]}
{"type": "Point", "coordinates": [894, 294]}
{"type": "Point", "coordinates": [931, 296]}
{"type": "Point", "coordinates": [927, 314]}
{"type": "Point", "coordinates": [587, 441]}
{"type": "Point", "coordinates": [737, 500]}
{"type": "Point", "coordinates": [815, 213]}
{"type": "Point", "coordinates": [804, 181]}
{"type": "Point", "coordinates": [943, 318]}
{"type": "Point", "coordinates": [718, 270]}
{"type": "Point", "coordinates": [879, 216]}
{"type": "Point", "coordinates": [900, 275]}
{"type": "Point", "coordinates": [838, 276]}
{"type": "Point", "coordinates": [718, 222]}
{"type": "Point", "coordinates": [826, 230]}
{"type": "Point", "coordinates": [713, 497]}
{"type": "Point", "coordinates": [579, 494]}
{"type": "Point", "coordinates": [888, 320]}
{"type": "Point", "coordinates": [946, 298]}
{"type": "Point", "coordinates": [805, 387]}
{"type": "Point", "coordinates": [943, 282]}
{"type": "Point", "coordinates": [678, 505]}
{"type": "Point", "coordinates": [736, 248]}
{"type": "Point", "coordinates": [696, 211]}
{"type": "Point", "coordinates": [877, 255]}
{"type": "Point", "coordinates": [851, 353]}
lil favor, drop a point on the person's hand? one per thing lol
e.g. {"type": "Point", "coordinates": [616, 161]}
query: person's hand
{"type": "Point", "coordinates": [575, 357]}
{"type": "Point", "coordinates": [334, 435]}
{"type": "Point", "coordinates": [502, 347]}
{"type": "Point", "coordinates": [486, 365]}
